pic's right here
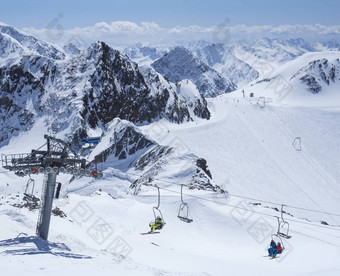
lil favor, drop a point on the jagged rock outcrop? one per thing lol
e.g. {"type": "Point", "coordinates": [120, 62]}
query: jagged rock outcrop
{"type": "Point", "coordinates": [319, 73]}
{"type": "Point", "coordinates": [120, 140]}
{"type": "Point", "coordinates": [125, 147]}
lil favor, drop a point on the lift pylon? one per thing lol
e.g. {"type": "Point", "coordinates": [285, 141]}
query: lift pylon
{"type": "Point", "coordinates": [57, 157]}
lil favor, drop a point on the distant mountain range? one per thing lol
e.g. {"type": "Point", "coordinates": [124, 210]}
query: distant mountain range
{"type": "Point", "coordinates": [231, 61]}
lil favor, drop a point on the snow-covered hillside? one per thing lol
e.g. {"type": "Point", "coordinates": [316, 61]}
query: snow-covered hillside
{"type": "Point", "coordinates": [239, 157]}
{"type": "Point", "coordinates": [31, 44]}
{"type": "Point", "coordinates": [310, 80]}
{"type": "Point", "coordinates": [250, 153]}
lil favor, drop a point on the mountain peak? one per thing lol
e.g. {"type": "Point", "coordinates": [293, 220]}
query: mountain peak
{"type": "Point", "coordinates": [31, 43]}
{"type": "Point", "coordinates": [71, 49]}
{"type": "Point", "coordinates": [180, 64]}
{"type": "Point", "coordinates": [179, 52]}
{"type": "Point", "coordinates": [331, 44]}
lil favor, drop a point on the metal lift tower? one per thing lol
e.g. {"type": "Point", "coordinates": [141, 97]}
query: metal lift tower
{"type": "Point", "coordinates": [57, 157]}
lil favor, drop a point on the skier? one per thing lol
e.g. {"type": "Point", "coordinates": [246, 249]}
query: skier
{"type": "Point", "coordinates": [278, 250]}
{"type": "Point", "coordinates": [272, 248]}
{"type": "Point", "coordinates": [157, 225]}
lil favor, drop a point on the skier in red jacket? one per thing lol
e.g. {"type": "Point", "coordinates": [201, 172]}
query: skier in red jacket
{"type": "Point", "coordinates": [278, 250]}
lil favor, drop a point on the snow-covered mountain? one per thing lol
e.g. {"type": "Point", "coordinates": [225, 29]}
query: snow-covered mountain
{"type": "Point", "coordinates": [180, 64]}
{"type": "Point", "coordinates": [188, 104]}
{"type": "Point", "coordinates": [31, 44]}
{"type": "Point", "coordinates": [92, 88]}
{"type": "Point", "coordinates": [222, 58]}
{"type": "Point", "coordinates": [332, 45]}
{"type": "Point", "coordinates": [309, 80]}
{"type": "Point", "coordinates": [71, 49]}
{"type": "Point", "coordinates": [9, 47]}
{"type": "Point", "coordinates": [237, 61]}
{"type": "Point", "coordinates": [277, 51]}
{"type": "Point", "coordinates": [85, 94]}
{"type": "Point", "coordinates": [319, 73]}
{"type": "Point", "coordinates": [145, 55]}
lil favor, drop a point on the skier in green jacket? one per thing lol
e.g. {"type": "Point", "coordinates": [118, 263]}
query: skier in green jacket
{"type": "Point", "coordinates": [158, 224]}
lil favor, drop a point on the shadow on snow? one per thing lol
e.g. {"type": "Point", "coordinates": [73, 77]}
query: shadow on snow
{"type": "Point", "coordinates": [40, 246]}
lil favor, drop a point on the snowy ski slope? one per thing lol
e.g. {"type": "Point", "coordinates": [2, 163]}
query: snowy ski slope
{"type": "Point", "coordinates": [249, 152]}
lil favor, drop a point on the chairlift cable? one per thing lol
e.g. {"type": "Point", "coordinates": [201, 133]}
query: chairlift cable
{"type": "Point", "coordinates": [245, 197]}
{"type": "Point", "coordinates": [257, 212]}
{"type": "Point", "coordinates": [250, 198]}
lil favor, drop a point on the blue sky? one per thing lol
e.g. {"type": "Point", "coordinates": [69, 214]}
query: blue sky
{"type": "Point", "coordinates": [170, 13]}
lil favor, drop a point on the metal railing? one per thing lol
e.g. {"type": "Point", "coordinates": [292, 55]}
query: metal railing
{"type": "Point", "coordinates": [19, 161]}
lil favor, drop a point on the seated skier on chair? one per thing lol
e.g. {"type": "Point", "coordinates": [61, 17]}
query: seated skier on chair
{"type": "Point", "coordinates": [272, 248]}
{"type": "Point", "coordinates": [157, 225]}
{"type": "Point", "coordinates": [278, 250]}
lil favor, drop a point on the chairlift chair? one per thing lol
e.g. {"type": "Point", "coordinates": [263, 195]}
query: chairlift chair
{"type": "Point", "coordinates": [183, 211]}
{"type": "Point", "coordinates": [261, 102]}
{"type": "Point", "coordinates": [297, 143]}
{"type": "Point", "coordinates": [30, 182]}
{"type": "Point", "coordinates": [283, 226]}
{"type": "Point", "coordinates": [278, 239]}
{"type": "Point", "coordinates": [156, 211]}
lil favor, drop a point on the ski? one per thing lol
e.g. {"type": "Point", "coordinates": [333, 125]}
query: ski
{"type": "Point", "coordinates": [147, 233]}
{"type": "Point", "coordinates": [271, 257]}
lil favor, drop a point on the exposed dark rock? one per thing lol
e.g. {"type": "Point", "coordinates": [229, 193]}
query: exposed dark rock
{"type": "Point", "coordinates": [318, 73]}
{"type": "Point", "coordinates": [126, 141]}
{"type": "Point", "coordinates": [57, 212]}
{"type": "Point", "coordinates": [202, 164]}
{"type": "Point", "coordinates": [30, 202]}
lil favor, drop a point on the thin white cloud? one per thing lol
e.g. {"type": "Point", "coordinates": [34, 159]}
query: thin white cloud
{"type": "Point", "coordinates": [126, 32]}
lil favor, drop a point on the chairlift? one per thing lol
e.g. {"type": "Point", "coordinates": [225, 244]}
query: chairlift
{"type": "Point", "coordinates": [183, 211]}
{"type": "Point", "coordinates": [297, 143]}
{"type": "Point", "coordinates": [283, 226]}
{"type": "Point", "coordinates": [156, 211]}
{"type": "Point", "coordinates": [261, 102]}
{"type": "Point", "coordinates": [30, 182]}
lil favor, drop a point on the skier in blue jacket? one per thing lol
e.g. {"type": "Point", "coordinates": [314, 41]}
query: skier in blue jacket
{"type": "Point", "coordinates": [272, 248]}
